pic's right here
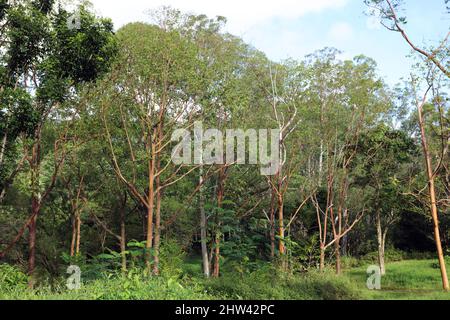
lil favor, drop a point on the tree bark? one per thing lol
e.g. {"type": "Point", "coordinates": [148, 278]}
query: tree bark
{"type": "Point", "coordinates": [381, 243]}
{"type": "Point", "coordinates": [157, 241]}
{"type": "Point", "coordinates": [433, 206]}
{"type": "Point", "coordinates": [220, 195]}
{"type": "Point", "coordinates": [78, 217]}
{"type": "Point", "coordinates": [322, 258]}
{"type": "Point", "coordinates": [203, 228]}
{"type": "Point", "coordinates": [74, 236]}
{"type": "Point", "coordinates": [337, 252]}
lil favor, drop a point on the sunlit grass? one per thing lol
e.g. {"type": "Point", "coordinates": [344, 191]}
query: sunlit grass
{"type": "Point", "coordinates": [411, 279]}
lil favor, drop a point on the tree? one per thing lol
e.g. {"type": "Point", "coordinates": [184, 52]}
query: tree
{"type": "Point", "coordinates": [49, 61]}
{"type": "Point", "coordinates": [386, 155]}
{"type": "Point", "coordinates": [387, 11]}
{"type": "Point", "coordinates": [148, 93]}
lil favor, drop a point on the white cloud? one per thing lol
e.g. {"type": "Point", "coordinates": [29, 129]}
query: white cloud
{"type": "Point", "coordinates": [341, 31]}
{"type": "Point", "coordinates": [242, 14]}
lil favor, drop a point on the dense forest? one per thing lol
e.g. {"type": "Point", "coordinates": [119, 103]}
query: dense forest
{"type": "Point", "coordinates": [89, 188]}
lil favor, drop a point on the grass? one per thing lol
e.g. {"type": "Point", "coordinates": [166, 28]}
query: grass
{"type": "Point", "coordinates": [404, 280]}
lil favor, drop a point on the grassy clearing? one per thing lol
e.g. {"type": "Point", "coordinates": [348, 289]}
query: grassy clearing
{"type": "Point", "coordinates": [404, 280]}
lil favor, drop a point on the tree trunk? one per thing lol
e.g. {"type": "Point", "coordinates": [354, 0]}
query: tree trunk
{"type": "Point", "coordinates": [203, 228]}
{"type": "Point", "coordinates": [337, 252]}
{"type": "Point", "coordinates": [322, 258]}
{"type": "Point", "coordinates": [157, 241]}
{"type": "Point", "coordinates": [381, 244]}
{"type": "Point", "coordinates": [433, 206]}
{"type": "Point", "coordinates": [220, 195]}
{"type": "Point", "coordinates": [150, 208]}
{"type": "Point", "coordinates": [281, 246]}
{"type": "Point", "coordinates": [77, 250]}
{"type": "Point", "coordinates": [74, 236]}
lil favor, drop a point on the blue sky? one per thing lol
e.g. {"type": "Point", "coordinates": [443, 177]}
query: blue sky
{"type": "Point", "coordinates": [293, 28]}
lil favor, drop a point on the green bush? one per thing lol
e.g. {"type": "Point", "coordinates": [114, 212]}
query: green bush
{"type": "Point", "coordinates": [266, 284]}
{"type": "Point", "coordinates": [12, 278]}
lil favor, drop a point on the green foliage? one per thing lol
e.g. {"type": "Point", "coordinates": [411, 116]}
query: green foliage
{"type": "Point", "coordinates": [172, 257]}
{"type": "Point", "coordinates": [11, 278]}
{"type": "Point", "coordinates": [268, 284]}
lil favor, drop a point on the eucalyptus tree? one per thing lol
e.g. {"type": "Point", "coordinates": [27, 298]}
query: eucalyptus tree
{"type": "Point", "coordinates": [149, 92]}
{"type": "Point", "coordinates": [346, 98]}
{"type": "Point", "coordinates": [387, 11]}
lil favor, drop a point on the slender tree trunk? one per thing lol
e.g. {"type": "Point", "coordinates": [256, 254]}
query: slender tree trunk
{"type": "Point", "coordinates": [322, 258]}
{"type": "Point", "coordinates": [203, 228]}
{"type": "Point", "coordinates": [220, 195]}
{"type": "Point", "coordinates": [337, 252]}
{"type": "Point", "coordinates": [157, 241]}
{"type": "Point", "coordinates": [281, 246]}
{"type": "Point", "coordinates": [381, 244]}
{"type": "Point", "coordinates": [77, 250]}
{"type": "Point", "coordinates": [433, 206]}
{"type": "Point", "coordinates": [74, 236]}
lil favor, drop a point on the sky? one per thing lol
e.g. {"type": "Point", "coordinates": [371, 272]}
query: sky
{"type": "Point", "coordinates": [294, 28]}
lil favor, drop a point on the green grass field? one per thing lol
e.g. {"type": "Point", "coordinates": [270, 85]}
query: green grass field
{"type": "Point", "coordinates": [405, 280]}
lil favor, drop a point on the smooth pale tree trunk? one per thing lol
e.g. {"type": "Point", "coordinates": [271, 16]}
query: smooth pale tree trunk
{"type": "Point", "coordinates": [337, 253]}
{"type": "Point", "coordinates": [217, 236]}
{"type": "Point", "coordinates": [433, 206]}
{"type": "Point", "coordinates": [322, 258]}
{"type": "Point", "coordinates": [381, 244]}
{"type": "Point", "coordinates": [203, 227]}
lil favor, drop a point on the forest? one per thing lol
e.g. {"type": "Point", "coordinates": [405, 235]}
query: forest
{"type": "Point", "coordinates": [93, 205]}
